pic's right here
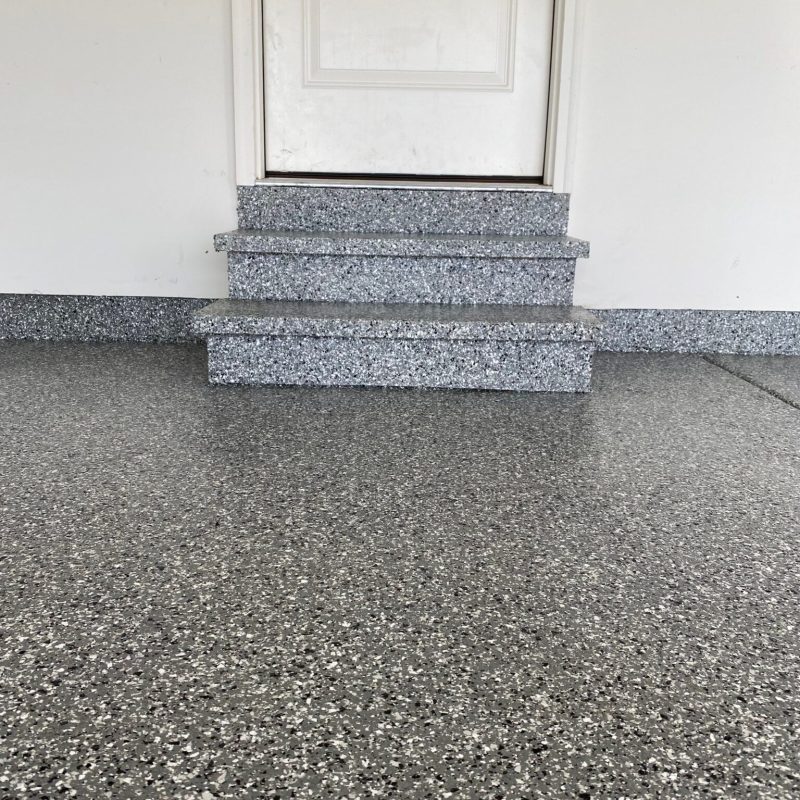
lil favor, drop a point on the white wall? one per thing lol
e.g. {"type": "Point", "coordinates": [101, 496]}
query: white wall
{"type": "Point", "coordinates": [687, 165]}
{"type": "Point", "coordinates": [116, 146]}
{"type": "Point", "coordinates": [116, 150]}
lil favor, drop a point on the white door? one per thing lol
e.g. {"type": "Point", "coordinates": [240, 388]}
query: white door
{"type": "Point", "coordinates": [407, 87]}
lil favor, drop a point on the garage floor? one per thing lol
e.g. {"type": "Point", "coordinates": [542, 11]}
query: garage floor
{"type": "Point", "coordinates": [325, 593]}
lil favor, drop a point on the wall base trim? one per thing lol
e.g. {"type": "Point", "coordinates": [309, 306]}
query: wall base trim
{"type": "Point", "coordinates": [91, 318]}
{"type": "Point", "coordinates": [699, 331]}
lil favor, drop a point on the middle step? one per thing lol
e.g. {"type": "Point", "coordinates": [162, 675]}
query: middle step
{"type": "Point", "coordinates": [401, 268]}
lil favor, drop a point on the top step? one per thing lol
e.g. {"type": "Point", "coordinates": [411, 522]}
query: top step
{"type": "Point", "coordinates": [359, 209]}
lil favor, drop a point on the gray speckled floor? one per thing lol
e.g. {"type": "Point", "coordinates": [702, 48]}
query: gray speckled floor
{"type": "Point", "coordinates": [309, 593]}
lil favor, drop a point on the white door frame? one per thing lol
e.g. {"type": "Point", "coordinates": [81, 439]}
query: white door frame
{"type": "Point", "coordinates": [248, 95]}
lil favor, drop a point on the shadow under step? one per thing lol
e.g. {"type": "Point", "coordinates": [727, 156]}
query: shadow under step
{"type": "Point", "coordinates": [520, 348]}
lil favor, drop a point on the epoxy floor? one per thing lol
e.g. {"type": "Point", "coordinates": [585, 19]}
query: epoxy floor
{"type": "Point", "coordinates": [304, 593]}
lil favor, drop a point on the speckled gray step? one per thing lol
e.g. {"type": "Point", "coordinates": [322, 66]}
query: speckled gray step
{"type": "Point", "coordinates": [330, 243]}
{"type": "Point", "coordinates": [524, 348]}
{"type": "Point", "coordinates": [389, 279]}
{"type": "Point", "coordinates": [404, 210]}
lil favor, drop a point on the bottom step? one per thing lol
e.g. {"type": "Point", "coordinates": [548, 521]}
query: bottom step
{"type": "Point", "coordinates": [521, 348]}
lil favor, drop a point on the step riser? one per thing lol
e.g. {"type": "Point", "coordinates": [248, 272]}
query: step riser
{"type": "Point", "coordinates": [401, 280]}
{"type": "Point", "coordinates": [497, 365]}
{"type": "Point", "coordinates": [364, 210]}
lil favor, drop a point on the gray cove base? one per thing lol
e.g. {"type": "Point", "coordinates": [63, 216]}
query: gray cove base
{"type": "Point", "coordinates": [438, 288]}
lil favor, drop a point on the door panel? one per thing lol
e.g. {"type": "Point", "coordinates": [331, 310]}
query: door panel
{"type": "Point", "coordinates": [417, 87]}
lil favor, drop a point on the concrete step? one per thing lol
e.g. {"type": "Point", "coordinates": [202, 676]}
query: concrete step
{"type": "Point", "coordinates": [400, 279]}
{"type": "Point", "coordinates": [523, 348]}
{"type": "Point", "coordinates": [400, 268]}
{"type": "Point", "coordinates": [469, 210]}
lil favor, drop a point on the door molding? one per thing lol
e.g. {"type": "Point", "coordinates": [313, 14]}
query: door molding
{"type": "Point", "coordinates": [248, 93]}
{"type": "Point", "coordinates": [562, 113]}
{"type": "Point", "coordinates": [499, 79]}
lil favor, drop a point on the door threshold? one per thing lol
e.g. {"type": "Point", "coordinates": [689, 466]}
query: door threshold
{"type": "Point", "coordinates": [402, 183]}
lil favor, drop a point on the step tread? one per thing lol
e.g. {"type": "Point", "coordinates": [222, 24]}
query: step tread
{"type": "Point", "coordinates": [396, 320]}
{"type": "Point", "coordinates": [247, 240]}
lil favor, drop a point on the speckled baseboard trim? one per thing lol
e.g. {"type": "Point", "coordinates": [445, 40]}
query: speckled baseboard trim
{"type": "Point", "coordinates": [167, 319]}
{"type": "Point", "coordinates": [431, 363]}
{"type": "Point", "coordinates": [257, 276]}
{"type": "Point", "coordinates": [92, 318]}
{"type": "Point", "coordinates": [407, 210]}
{"type": "Point", "coordinates": [691, 331]}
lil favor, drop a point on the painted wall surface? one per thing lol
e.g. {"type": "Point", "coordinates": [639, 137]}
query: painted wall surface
{"type": "Point", "coordinates": [686, 172]}
{"type": "Point", "coordinates": [116, 146]}
{"type": "Point", "coordinates": [117, 163]}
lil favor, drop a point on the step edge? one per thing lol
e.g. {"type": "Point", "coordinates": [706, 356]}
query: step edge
{"type": "Point", "coordinates": [330, 243]}
{"type": "Point", "coordinates": [307, 184]}
{"type": "Point", "coordinates": [208, 322]}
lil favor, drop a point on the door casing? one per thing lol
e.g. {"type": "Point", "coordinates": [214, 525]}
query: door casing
{"type": "Point", "coordinates": [249, 117]}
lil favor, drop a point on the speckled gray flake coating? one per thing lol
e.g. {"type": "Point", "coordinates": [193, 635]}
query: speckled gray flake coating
{"type": "Point", "coordinates": [502, 365]}
{"type": "Point", "coordinates": [289, 593]}
{"type": "Point", "coordinates": [395, 321]}
{"type": "Point", "coordinates": [519, 348]}
{"type": "Point", "coordinates": [400, 244]}
{"type": "Point", "coordinates": [96, 318]}
{"type": "Point", "coordinates": [406, 210]}
{"type": "Point", "coordinates": [377, 279]}
{"type": "Point", "coordinates": [374, 246]}
{"type": "Point", "coordinates": [681, 331]}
